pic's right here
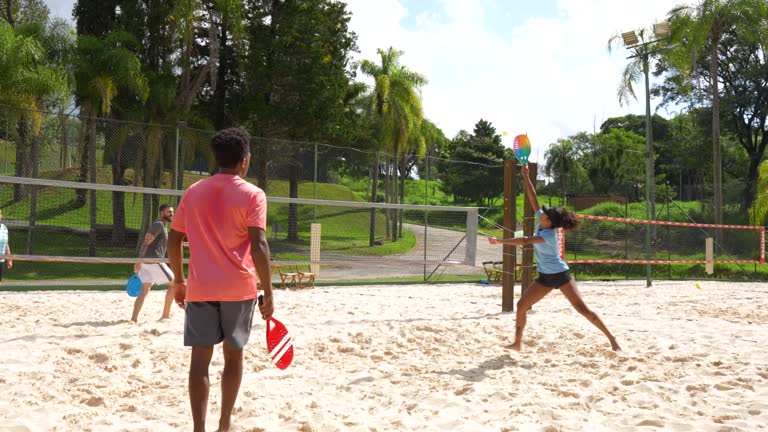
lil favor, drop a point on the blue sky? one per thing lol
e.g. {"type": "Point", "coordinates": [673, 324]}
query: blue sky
{"type": "Point", "coordinates": [539, 67]}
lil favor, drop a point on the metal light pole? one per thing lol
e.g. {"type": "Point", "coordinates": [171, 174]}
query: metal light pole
{"type": "Point", "coordinates": [642, 50]}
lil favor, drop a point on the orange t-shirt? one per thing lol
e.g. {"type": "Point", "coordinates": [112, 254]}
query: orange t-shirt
{"type": "Point", "coordinates": [215, 214]}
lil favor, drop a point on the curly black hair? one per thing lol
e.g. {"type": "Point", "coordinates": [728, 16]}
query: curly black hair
{"type": "Point", "coordinates": [561, 217]}
{"type": "Point", "coordinates": [230, 146]}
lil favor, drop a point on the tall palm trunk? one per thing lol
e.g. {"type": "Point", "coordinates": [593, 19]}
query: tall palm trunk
{"type": "Point", "coordinates": [394, 195]}
{"type": "Point", "coordinates": [92, 178]}
{"type": "Point", "coordinates": [118, 198]}
{"type": "Point", "coordinates": [33, 201]}
{"type": "Point", "coordinates": [374, 198]}
{"type": "Point", "coordinates": [387, 187]}
{"type": "Point", "coordinates": [402, 198]}
{"type": "Point", "coordinates": [87, 138]}
{"type": "Point", "coordinates": [718, 181]}
{"type": "Point", "coordinates": [293, 192]}
{"type": "Point", "coordinates": [22, 154]}
{"type": "Point", "coordinates": [63, 139]}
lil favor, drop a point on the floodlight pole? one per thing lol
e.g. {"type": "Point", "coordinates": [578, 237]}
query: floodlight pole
{"type": "Point", "coordinates": [644, 53]}
{"type": "Point", "coordinates": [650, 178]}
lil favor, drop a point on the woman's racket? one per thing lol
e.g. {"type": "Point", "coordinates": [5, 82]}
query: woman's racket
{"type": "Point", "coordinates": [522, 148]}
{"type": "Point", "coordinates": [279, 343]}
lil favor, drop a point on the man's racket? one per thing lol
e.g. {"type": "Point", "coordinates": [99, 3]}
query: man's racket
{"type": "Point", "coordinates": [279, 343]}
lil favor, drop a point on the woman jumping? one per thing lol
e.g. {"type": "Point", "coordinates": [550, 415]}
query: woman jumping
{"type": "Point", "coordinates": [553, 271]}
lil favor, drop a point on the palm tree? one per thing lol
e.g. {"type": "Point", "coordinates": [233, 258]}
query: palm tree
{"type": "Point", "coordinates": [697, 28]}
{"type": "Point", "coordinates": [102, 68]}
{"type": "Point", "coordinates": [398, 107]}
{"type": "Point", "coordinates": [25, 81]}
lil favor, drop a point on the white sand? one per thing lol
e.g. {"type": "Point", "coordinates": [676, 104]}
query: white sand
{"type": "Point", "coordinates": [403, 358]}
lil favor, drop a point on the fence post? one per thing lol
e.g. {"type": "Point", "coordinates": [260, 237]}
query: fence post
{"type": "Point", "coordinates": [314, 207]}
{"type": "Point", "coordinates": [470, 250]}
{"type": "Point", "coordinates": [509, 263]}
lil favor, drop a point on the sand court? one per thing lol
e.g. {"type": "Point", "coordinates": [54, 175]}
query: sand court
{"type": "Point", "coordinates": [403, 358]}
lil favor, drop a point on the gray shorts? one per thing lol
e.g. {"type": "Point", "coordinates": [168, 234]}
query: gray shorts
{"type": "Point", "coordinates": [208, 323]}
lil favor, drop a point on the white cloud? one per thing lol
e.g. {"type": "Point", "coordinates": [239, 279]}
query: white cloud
{"type": "Point", "coordinates": [547, 76]}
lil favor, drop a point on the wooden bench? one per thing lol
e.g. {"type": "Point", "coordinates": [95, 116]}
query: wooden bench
{"type": "Point", "coordinates": [286, 278]}
{"type": "Point", "coordinates": [292, 277]}
{"type": "Point", "coordinates": [306, 278]}
{"type": "Point", "coordinates": [494, 271]}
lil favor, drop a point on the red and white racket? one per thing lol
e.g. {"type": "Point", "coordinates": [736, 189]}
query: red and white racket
{"type": "Point", "coordinates": [279, 343]}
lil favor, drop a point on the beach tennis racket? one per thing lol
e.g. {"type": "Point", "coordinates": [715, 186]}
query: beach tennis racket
{"type": "Point", "coordinates": [522, 148]}
{"type": "Point", "coordinates": [279, 343]}
{"type": "Point", "coordinates": [133, 287]}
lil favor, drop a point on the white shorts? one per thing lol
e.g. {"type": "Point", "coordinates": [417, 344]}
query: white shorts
{"type": "Point", "coordinates": [155, 273]}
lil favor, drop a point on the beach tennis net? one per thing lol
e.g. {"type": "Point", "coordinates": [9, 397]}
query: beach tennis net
{"type": "Point", "coordinates": [56, 221]}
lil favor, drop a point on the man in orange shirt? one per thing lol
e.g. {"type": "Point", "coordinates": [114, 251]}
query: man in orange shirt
{"type": "Point", "coordinates": [224, 219]}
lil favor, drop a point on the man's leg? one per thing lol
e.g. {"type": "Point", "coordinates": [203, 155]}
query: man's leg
{"type": "Point", "coordinates": [168, 301]}
{"type": "Point", "coordinates": [140, 301]}
{"type": "Point", "coordinates": [199, 385]}
{"type": "Point", "coordinates": [230, 383]}
{"type": "Point", "coordinates": [236, 323]}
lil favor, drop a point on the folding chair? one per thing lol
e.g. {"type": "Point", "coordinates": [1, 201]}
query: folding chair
{"type": "Point", "coordinates": [290, 277]}
{"type": "Point", "coordinates": [308, 276]}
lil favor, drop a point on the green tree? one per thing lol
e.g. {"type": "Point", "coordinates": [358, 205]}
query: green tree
{"type": "Point", "coordinates": [698, 31]}
{"type": "Point", "coordinates": [398, 106]}
{"type": "Point", "coordinates": [297, 80]}
{"type": "Point", "coordinates": [473, 166]}
{"type": "Point", "coordinates": [564, 166]}
{"type": "Point", "coordinates": [26, 81]}
{"type": "Point", "coordinates": [758, 212]}
{"type": "Point", "coordinates": [102, 69]}
{"type": "Point", "coordinates": [616, 161]}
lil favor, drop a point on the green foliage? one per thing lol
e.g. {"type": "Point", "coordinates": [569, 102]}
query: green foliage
{"type": "Point", "coordinates": [759, 210]}
{"type": "Point", "coordinates": [474, 171]}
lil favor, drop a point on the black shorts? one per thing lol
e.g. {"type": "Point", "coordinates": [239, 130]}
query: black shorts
{"type": "Point", "coordinates": [208, 323]}
{"type": "Point", "coordinates": [554, 280]}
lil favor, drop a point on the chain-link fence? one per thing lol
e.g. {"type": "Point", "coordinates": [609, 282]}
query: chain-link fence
{"type": "Point", "coordinates": [68, 147]}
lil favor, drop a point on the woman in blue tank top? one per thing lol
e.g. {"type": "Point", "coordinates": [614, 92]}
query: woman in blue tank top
{"type": "Point", "coordinates": [553, 271]}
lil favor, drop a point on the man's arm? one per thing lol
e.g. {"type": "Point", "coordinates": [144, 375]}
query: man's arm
{"type": "Point", "coordinates": [177, 266]}
{"type": "Point", "coordinates": [8, 252]}
{"type": "Point", "coordinates": [261, 258]}
{"type": "Point", "coordinates": [148, 239]}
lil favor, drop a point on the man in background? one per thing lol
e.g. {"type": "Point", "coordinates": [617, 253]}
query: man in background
{"type": "Point", "coordinates": [154, 246]}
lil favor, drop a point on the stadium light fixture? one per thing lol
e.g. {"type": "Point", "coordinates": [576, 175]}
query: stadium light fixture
{"type": "Point", "coordinates": [630, 38]}
{"type": "Point", "coordinates": [662, 30]}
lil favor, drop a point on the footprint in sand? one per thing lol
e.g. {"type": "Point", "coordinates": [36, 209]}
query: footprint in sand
{"type": "Point", "coordinates": [655, 423]}
{"type": "Point", "coordinates": [99, 357]}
